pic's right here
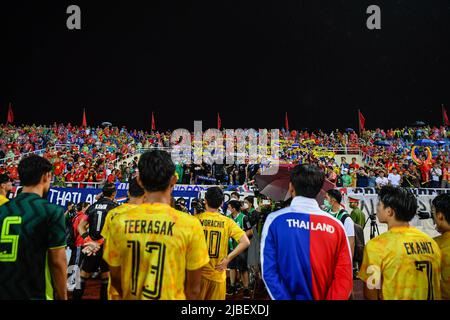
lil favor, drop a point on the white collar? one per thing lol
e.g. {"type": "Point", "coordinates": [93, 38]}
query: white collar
{"type": "Point", "coordinates": [306, 205]}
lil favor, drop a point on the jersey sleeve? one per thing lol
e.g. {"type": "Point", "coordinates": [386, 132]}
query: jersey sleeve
{"type": "Point", "coordinates": [370, 271]}
{"type": "Point", "coordinates": [197, 252]}
{"type": "Point", "coordinates": [56, 237]}
{"type": "Point", "coordinates": [235, 231]}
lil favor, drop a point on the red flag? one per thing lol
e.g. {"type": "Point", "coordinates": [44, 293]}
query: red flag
{"type": "Point", "coordinates": [84, 124]}
{"type": "Point", "coordinates": [286, 122]}
{"type": "Point", "coordinates": [219, 121]}
{"type": "Point", "coordinates": [10, 118]}
{"type": "Point", "coordinates": [445, 116]}
{"type": "Point", "coordinates": [153, 122]}
{"type": "Point", "coordinates": [362, 121]}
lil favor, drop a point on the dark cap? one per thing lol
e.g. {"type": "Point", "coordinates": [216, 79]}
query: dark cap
{"type": "Point", "coordinates": [4, 178]}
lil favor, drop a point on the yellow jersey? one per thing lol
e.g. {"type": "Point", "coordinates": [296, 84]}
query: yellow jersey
{"type": "Point", "coordinates": [3, 199]}
{"type": "Point", "coordinates": [218, 229]}
{"type": "Point", "coordinates": [154, 245]}
{"type": "Point", "coordinates": [404, 263]}
{"type": "Point", "coordinates": [443, 242]}
{"type": "Point", "coordinates": [112, 213]}
{"type": "Point", "coordinates": [112, 293]}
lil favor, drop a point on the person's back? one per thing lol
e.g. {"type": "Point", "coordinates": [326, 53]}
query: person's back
{"type": "Point", "coordinates": [409, 261]}
{"type": "Point", "coordinates": [30, 227]}
{"type": "Point", "coordinates": [443, 242]}
{"type": "Point", "coordinates": [311, 246]}
{"type": "Point", "coordinates": [152, 244]}
{"type": "Point", "coordinates": [441, 217]}
{"type": "Point", "coordinates": [305, 253]}
{"type": "Point", "coordinates": [97, 214]}
{"type": "Point", "coordinates": [218, 229]}
{"type": "Point", "coordinates": [403, 263]}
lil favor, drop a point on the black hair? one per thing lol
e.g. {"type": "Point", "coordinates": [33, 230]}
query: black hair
{"type": "Point", "coordinates": [442, 204]}
{"type": "Point", "coordinates": [181, 199]}
{"type": "Point", "coordinates": [134, 189]}
{"type": "Point", "coordinates": [156, 169]}
{"type": "Point", "coordinates": [235, 204]}
{"type": "Point", "coordinates": [235, 193]}
{"type": "Point", "coordinates": [307, 180]}
{"type": "Point", "coordinates": [82, 205]}
{"type": "Point", "coordinates": [335, 194]}
{"type": "Point", "coordinates": [214, 197]}
{"type": "Point", "coordinates": [250, 199]}
{"type": "Point", "coordinates": [108, 189]}
{"type": "Point", "coordinates": [401, 200]}
{"type": "Point", "coordinates": [32, 168]}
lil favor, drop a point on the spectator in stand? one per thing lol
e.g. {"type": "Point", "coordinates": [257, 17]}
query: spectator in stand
{"type": "Point", "coordinates": [394, 178]}
{"type": "Point", "coordinates": [435, 175]}
{"type": "Point", "coordinates": [446, 176]}
{"type": "Point", "coordinates": [5, 188]}
{"type": "Point", "coordinates": [344, 165]}
{"type": "Point", "coordinates": [346, 179]}
{"type": "Point", "coordinates": [354, 164]}
{"type": "Point", "coordinates": [381, 180]}
{"type": "Point", "coordinates": [354, 176]}
{"type": "Point", "coordinates": [371, 181]}
{"type": "Point", "coordinates": [362, 178]}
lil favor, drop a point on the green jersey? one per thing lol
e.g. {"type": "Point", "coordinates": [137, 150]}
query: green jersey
{"type": "Point", "coordinates": [29, 226]}
{"type": "Point", "coordinates": [243, 222]}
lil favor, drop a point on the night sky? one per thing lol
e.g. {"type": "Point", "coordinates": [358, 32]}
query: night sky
{"type": "Point", "coordinates": [250, 60]}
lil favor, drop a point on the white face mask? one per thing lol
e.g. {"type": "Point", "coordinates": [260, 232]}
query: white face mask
{"type": "Point", "coordinates": [228, 212]}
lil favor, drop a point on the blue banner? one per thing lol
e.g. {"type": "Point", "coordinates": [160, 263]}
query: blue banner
{"type": "Point", "coordinates": [61, 196]}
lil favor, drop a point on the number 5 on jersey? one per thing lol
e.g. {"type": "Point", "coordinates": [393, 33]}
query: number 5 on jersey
{"type": "Point", "coordinates": [6, 238]}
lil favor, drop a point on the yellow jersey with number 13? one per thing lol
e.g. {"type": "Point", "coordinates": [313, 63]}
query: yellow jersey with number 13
{"type": "Point", "coordinates": [404, 263]}
{"type": "Point", "coordinates": [154, 245]}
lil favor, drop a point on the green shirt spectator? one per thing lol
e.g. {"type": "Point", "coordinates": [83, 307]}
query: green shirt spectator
{"type": "Point", "coordinates": [346, 180]}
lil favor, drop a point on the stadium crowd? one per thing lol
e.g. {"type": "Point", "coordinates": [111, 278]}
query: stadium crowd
{"type": "Point", "coordinates": [83, 157]}
{"type": "Point", "coordinates": [244, 241]}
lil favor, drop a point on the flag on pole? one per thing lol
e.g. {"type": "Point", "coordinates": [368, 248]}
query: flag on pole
{"type": "Point", "coordinates": [362, 121]}
{"type": "Point", "coordinates": [153, 122]}
{"type": "Point", "coordinates": [10, 118]}
{"type": "Point", "coordinates": [445, 116]}
{"type": "Point", "coordinates": [219, 121]}
{"type": "Point", "coordinates": [84, 124]}
{"type": "Point", "coordinates": [286, 122]}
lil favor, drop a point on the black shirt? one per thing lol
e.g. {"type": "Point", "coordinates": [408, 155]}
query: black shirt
{"type": "Point", "coordinates": [96, 216]}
